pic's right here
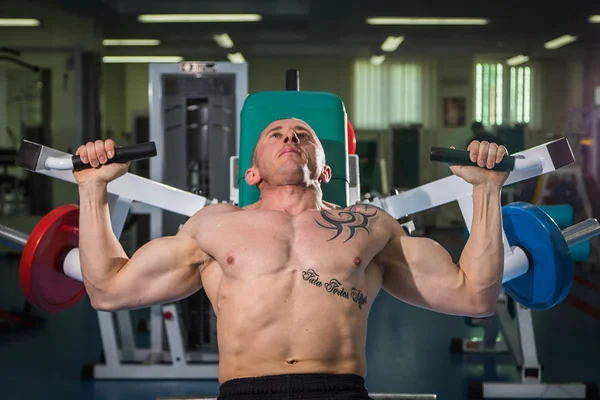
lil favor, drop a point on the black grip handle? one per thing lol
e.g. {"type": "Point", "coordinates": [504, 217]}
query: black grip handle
{"type": "Point", "coordinates": [461, 157]}
{"type": "Point", "coordinates": [134, 152]}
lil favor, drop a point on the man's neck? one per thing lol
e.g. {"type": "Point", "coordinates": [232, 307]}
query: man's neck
{"type": "Point", "coordinates": [291, 199]}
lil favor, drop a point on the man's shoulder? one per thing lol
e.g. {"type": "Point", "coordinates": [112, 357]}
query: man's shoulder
{"type": "Point", "coordinates": [216, 209]}
{"type": "Point", "coordinates": [358, 207]}
{"type": "Point", "coordinates": [366, 208]}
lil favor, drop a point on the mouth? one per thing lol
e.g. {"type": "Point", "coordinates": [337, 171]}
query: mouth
{"type": "Point", "coordinates": [292, 150]}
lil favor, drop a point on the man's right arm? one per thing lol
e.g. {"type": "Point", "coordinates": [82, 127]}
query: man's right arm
{"type": "Point", "coordinates": [164, 270]}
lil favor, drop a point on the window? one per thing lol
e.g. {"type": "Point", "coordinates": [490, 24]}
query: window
{"type": "Point", "coordinates": [390, 93]}
{"type": "Point", "coordinates": [488, 93]}
{"type": "Point", "coordinates": [520, 95]}
{"type": "Point", "coordinates": [491, 83]}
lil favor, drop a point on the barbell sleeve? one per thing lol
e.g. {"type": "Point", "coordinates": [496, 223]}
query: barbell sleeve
{"type": "Point", "coordinates": [17, 240]}
{"type": "Point", "coordinates": [517, 263]}
{"type": "Point", "coordinates": [72, 265]}
{"type": "Point", "coordinates": [581, 232]}
{"type": "Point", "coordinates": [13, 237]}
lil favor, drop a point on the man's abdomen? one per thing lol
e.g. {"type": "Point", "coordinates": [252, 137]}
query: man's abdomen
{"type": "Point", "coordinates": [281, 325]}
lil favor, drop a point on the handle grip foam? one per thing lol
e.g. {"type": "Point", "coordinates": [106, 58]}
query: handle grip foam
{"type": "Point", "coordinates": [461, 157]}
{"type": "Point", "coordinates": [124, 154]}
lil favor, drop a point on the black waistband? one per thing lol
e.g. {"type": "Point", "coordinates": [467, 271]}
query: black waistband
{"type": "Point", "coordinates": [296, 383]}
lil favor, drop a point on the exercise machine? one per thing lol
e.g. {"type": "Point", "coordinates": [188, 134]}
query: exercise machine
{"type": "Point", "coordinates": [511, 332]}
{"type": "Point", "coordinates": [194, 109]}
{"type": "Point", "coordinates": [44, 250]}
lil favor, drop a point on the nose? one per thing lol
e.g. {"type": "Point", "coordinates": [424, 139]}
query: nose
{"type": "Point", "coordinates": [291, 136]}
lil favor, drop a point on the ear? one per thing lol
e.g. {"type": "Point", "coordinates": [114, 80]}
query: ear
{"type": "Point", "coordinates": [252, 176]}
{"type": "Point", "coordinates": [325, 176]}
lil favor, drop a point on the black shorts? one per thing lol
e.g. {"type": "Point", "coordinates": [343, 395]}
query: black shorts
{"type": "Point", "coordinates": [296, 387]}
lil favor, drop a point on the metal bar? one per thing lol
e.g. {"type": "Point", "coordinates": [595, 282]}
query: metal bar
{"type": "Point", "coordinates": [174, 338]}
{"type": "Point", "coordinates": [134, 187]}
{"type": "Point", "coordinates": [506, 390]}
{"type": "Point", "coordinates": [119, 209]}
{"type": "Point", "coordinates": [509, 329]}
{"type": "Point", "coordinates": [109, 340]}
{"type": "Point", "coordinates": [397, 396]}
{"type": "Point", "coordinates": [528, 347]}
{"type": "Point", "coordinates": [15, 238]}
{"type": "Point", "coordinates": [166, 371]}
{"type": "Point", "coordinates": [452, 188]}
{"type": "Point", "coordinates": [126, 335]}
{"type": "Point", "coordinates": [585, 230]}
{"type": "Point", "coordinates": [388, 396]}
{"type": "Point", "coordinates": [156, 333]}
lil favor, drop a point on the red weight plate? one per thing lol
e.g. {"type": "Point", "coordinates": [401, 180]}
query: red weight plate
{"type": "Point", "coordinates": [41, 273]}
{"type": "Point", "coordinates": [351, 138]}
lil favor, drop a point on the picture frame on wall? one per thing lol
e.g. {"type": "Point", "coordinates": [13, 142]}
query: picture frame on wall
{"type": "Point", "coordinates": [455, 111]}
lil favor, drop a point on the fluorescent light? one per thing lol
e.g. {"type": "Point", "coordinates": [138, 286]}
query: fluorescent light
{"type": "Point", "coordinates": [377, 60]}
{"type": "Point", "coordinates": [391, 43]}
{"type": "Point", "coordinates": [18, 22]}
{"type": "Point", "coordinates": [517, 60]}
{"type": "Point", "coordinates": [560, 42]}
{"type": "Point", "coordinates": [425, 21]}
{"type": "Point", "coordinates": [131, 42]}
{"type": "Point", "coordinates": [140, 59]}
{"type": "Point", "coordinates": [166, 18]}
{"type": "Point", "coordinates": [236, 58]}
{"type": "Point", "coordinates": [223, 40]}
{"type": "Point", "coordinates": [595, 19]}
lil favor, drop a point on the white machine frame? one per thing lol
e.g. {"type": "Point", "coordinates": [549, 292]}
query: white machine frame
{"type": "Point", "coordinates": [504, 334]}
{"type": "Point", "coordinates": [130, 191]}
{"type": "Point", "coordinates": [155, 362]}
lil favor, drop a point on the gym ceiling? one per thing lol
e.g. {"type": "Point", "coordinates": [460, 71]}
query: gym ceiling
{"type": "Point", "coordinates": [339, 28]}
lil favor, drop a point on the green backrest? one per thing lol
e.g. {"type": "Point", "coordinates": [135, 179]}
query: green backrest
{"type": "Point", "coordinates": [324, 112]}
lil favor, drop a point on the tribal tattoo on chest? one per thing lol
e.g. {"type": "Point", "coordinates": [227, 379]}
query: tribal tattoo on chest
{"type": "Point", "coordinates": [350, 221]}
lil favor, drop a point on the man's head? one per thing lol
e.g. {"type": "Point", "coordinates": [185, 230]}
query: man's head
{"type": "Point", "coordinates": [288, 152]}
{"type": "Point", "coordinates": [477, 128]}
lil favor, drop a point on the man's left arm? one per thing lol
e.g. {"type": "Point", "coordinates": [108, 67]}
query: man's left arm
{"type": "Point", "coordinates": [421, 272]}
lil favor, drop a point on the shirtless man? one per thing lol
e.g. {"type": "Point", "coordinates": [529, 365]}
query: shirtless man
{"type": "Point", "coordinates": [292, 278]}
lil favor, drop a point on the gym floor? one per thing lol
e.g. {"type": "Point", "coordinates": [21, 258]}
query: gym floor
{"type": "Point", "coordinates": [408, 349]}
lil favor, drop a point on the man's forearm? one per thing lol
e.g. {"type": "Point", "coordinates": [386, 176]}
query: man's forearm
{"type": "Point", "coordinates": [100, 252]}
{"type": "Point", "coordinates": [482, 259]}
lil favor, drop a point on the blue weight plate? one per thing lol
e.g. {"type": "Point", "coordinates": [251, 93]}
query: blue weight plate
{"type": "Point", "coordinates": [549, 279]}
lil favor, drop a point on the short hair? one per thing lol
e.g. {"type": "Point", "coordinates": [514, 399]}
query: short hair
{"type": "Point", "coordinates": [477, 125]}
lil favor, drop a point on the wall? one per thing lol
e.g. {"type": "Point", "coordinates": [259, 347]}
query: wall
{"type": "Point", "coordinates": [591, 71]}
{"type": "Point", "coordinates": [125, 87]}
{"type": "Point", "coordinates": [562, 91]}
{"type": "Point", "coordinates": [49, 46]}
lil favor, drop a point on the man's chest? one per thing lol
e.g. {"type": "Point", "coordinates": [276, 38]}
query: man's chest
{"type": "Point", "coordinates": [264, 241]}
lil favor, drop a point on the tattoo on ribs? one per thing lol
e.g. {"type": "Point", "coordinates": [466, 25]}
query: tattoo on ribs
{"type": "Point", "coordinates": [336, 287]}
{"type": "Point", "coordinates": [355, 218]}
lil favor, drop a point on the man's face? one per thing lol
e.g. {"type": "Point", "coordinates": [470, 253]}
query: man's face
{"type": "Point", "coordinates": [289, 152]}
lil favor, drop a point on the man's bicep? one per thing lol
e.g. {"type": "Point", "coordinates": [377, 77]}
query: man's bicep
{"type": "Point", "coordinates": [420, 272]}
{"type": "Point", "coordinates": [161, 271]}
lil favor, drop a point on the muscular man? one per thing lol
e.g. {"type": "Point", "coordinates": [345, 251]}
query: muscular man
{"type": "Point", "coordinates": [291, 277]}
